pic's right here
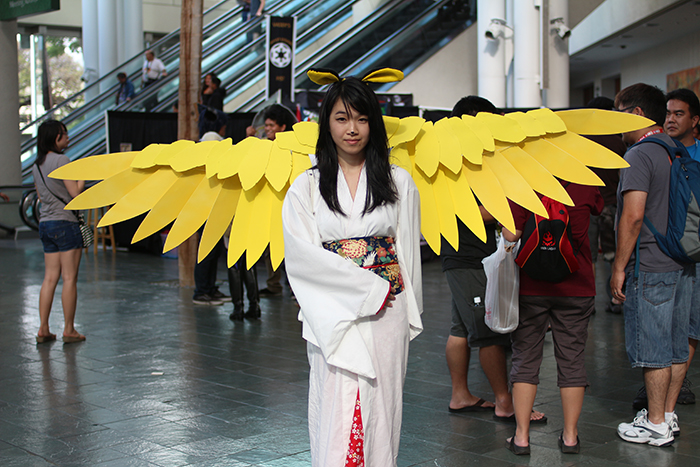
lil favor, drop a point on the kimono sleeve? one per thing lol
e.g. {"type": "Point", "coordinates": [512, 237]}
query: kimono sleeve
{"type": "Point", "coordinates": [333, 293]}
{"type": "Point", "coordinates": [408, 247]}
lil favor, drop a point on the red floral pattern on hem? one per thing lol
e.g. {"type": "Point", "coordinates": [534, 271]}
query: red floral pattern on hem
{"type": "Point", "coordinates": [356, 453]}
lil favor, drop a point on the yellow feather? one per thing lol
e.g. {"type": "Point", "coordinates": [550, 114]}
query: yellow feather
{"type": "Point", "coordinates": [588, 152]}
{"type": "Point", "coordinates": [300, 164]}
{"type": "Point", "coordinates": [199, 155]}
{"type": "Point", "coordinates": [472, 147]}
{"type": "Point", "coordinates": [560, 164]}
{"type": "Point", "coordinates": [407, 131]}
{"type": "Point", "coordinates": [147, 157]}
{"type": "Point", "coordinates": [514, 185]}
{"type": "Point", "coordinates": [399, 156]}
{"type": "Point", "coordinates": [306, 133]}
{"type": "Point", "coordinates": [446, 210]}
{"type": "Point", "coordinates": [486, 187]}
{"type": "Point", "coordinates": [194, 213]}
{"type": "Point", "coordinates": [450, 148]}
{"type": "Point", "coordinates": [169, 151]}
{"type": "Point", "coordinates": [427, 150]}
{"type": "Point", "coordinates": [111, 190]}
{"type": "Point", "coordinates": [481, 131]}
{"type": "Point", "coordinates": [531, 127]}
{"type": "Point", "coordinates": [465, 204]}
{"type": "Point", "coordinates": [142, 198]}
{"type": "Point", "coordinates": [253, 166]}
{"type": "Point", "coordinates": [95, 167]}
{"type": "Point", "coordinates": [429, 220]}
{"type": "Point", "coordinates": [279, 168]}
{"type": "Point", "coordinates": [391, 124]}
{"type": "Point", "coordinates": [502, 128]}
{"type": "Point", "coordinates": [384, 75]}
{"type": "Point", "coordinates": [551, 122]}
{"type": "Point", "coordinates": [245, 215]}
{"type": "Point", "coordinates": [276, 234]}
{"type": "Point", "coordinates": [168, 207]}
{"type": "Point", "coordinates": [220, 216]}
{"type": "Point", "coordinates": [230, 160]}
{"type": "Point", "coordinates": [536, 176]}
{"type": "Point", "coordinates": [602, 122]}
{"type": "Point", "coordinates": [259, 227]}
{"type": "Point", "coordinates": [288, 140]}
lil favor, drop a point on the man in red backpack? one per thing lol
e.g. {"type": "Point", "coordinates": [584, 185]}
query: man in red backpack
{"type": "Point", "coordinates": [567, 305]}
{"type": "Point", "coordinates": [657, 289]}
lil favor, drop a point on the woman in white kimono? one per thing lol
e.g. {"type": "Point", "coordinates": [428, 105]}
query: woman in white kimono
{"type": "Point", "coordinates": [351, 233]}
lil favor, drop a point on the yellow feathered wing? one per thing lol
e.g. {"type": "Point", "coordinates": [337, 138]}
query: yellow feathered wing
{"type": "Point", "coordinates": [453, 162]}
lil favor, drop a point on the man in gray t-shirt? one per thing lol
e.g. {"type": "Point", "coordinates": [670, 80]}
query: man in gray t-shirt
{"type": "Point", "coordinates": [657, 297]}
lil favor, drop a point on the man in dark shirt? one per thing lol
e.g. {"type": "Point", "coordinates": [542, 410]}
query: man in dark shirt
{"type": "Point", "coordinates": [465, 276]}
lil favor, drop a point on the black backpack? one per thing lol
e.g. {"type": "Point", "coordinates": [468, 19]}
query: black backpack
{"type": "Point", "coordinates": [546, 251]}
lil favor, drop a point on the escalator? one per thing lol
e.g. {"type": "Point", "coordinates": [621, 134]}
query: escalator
{"type": "Point", "coordinates": [400, 34]}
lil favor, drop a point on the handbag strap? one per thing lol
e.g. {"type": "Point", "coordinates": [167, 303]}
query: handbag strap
{"type": "Point", "coordinates": [54, 194]}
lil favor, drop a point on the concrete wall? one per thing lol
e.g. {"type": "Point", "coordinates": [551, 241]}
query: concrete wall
{"type": "Point", "coordinates": [447, 76]}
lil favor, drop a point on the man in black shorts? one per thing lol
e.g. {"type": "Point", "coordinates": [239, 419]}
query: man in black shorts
{"type": "Point", "coordinates": [467, 281]}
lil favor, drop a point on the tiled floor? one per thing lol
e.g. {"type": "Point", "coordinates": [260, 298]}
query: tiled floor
{"type": "Point", "coordinates": [163, 382]}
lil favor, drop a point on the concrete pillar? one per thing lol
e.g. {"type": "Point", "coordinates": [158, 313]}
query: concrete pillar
{"type": "Point", "coordinates": [9, 111]}
{"type": "Point", "coordinates": [491, 52]}
{"type": "Point", "coordinates": [91, 50]}
{"type": "Point", "coordinates": [107, 40]}
{"type": "Point", "coordinates": [132, 28]}
{"type": "Point", "coordinates": [557, 26]}
{"type": "Point", "coordinates": [526, 65]}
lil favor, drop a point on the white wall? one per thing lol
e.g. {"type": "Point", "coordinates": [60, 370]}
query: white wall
{"type": "Point", "coordinates": [447, 76]}
{"type": "Point", "coordinates": [653, 65]}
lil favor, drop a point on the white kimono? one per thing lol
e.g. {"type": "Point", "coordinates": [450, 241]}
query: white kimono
{"type": "Point", "coordinates": [350, 346]}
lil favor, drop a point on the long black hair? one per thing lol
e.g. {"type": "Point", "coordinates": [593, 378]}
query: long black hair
{"type": "Point", "coordinates": [48, 132]}
{"type": "Point", "coordinates": [357, 95]}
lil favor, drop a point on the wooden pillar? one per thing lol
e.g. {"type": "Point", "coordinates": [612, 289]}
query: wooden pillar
{"type": "Point", "coordinates": [190, 76]}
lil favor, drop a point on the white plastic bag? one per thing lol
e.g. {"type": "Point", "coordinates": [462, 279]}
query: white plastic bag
{"type": "Point", "coordinates": [502, 288]}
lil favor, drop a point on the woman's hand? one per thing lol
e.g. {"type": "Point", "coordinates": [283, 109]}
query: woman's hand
{"type": "Point", "coordinates": [388, 302]}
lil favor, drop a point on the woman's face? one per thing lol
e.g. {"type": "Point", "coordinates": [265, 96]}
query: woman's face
{"type": "Point", "coordinates": [62, 141]}
{"type": "Point", "coordinates": [349, 130]}
{"type": "Point", "coordinates": [207, 81]}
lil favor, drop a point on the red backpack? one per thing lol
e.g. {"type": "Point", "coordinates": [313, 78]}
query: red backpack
{"type": "Point", "coordinates": [546, 252]}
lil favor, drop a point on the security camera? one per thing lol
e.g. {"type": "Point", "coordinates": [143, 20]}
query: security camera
{"type": "Point", "coordinates": [496, 29]}
{"type": "Point", "coordinates": [560, 27]}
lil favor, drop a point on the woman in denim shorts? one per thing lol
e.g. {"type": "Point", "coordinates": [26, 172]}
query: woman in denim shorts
{"type": "Point", "coordinates": [58, 229]}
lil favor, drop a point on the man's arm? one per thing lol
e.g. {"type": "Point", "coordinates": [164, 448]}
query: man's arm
{"type": "Point", "coordinates": [628, 230]}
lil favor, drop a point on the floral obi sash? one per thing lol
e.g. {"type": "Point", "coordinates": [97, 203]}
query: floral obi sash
{"type": "Point", "coordinates": [374, 253]}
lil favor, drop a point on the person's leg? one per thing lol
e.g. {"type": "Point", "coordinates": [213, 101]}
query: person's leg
{"type": "Point", "coordinates": [523, 401]}
{"type": "Point", "coordinates": [493, 362]}
{"type": "Point", "coordinates": [571, 404]}
{"type": "Point", "coordinates": [70, 263]}
{"type": "Point", "coordinates": [235, 288]}
{"type": "Point", "coordinates": [692, 346]}
{"type": "Point", "coordinates": [674, 388]}
{"type": "Point", "coordinates": [52, 273]}
{"type": "Point", "coordinates": [657, 381]}
{"type": "Point", "coordinates": [458, 355]}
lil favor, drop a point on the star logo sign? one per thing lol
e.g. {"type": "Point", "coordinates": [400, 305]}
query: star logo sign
{"type": "Point", "coordinates": [280, 55]}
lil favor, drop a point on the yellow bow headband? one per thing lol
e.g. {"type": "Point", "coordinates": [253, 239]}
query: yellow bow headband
{"type": "Point", "coordinates": [322, 76]}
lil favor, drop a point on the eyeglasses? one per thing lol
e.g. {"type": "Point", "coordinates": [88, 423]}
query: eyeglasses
{"type": "Point", "coordinates": [626, 108]}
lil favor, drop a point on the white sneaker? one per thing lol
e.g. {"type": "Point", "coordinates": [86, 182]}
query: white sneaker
{"type": "Point", "coordinates": [673, 423]}
{"type": "Point", "coordinates": [641, 431]}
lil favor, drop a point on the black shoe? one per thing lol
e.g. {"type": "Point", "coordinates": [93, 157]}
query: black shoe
{"type": "Point", "coordinates": [268, 293]}
{"type": "Point", "coordinates": [237, 315]}
{"type": "Point", "coordinates": [517, 450]}
{"type": "Point", "coordinates": [686, 396]}
{"type": "Point", "coordinates": [640, 400]}
{"type": "Point", "coordinates": [220, 296]}
{"type": "Point", "coordinates": [566, 449]}
{"type": "Point", "coordinates": [253, 312]}
{"type": "Point", "coordinates": [204, 299]}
